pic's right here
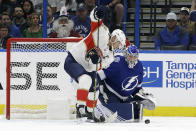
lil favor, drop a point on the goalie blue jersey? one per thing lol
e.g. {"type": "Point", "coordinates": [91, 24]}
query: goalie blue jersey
{"type": "Point", "coordinates": [120, 79]}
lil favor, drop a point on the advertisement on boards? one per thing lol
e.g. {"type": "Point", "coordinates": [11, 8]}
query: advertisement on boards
{"type": "Point", "coordinates": [171, 77]}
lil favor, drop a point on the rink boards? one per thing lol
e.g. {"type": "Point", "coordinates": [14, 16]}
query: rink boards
{"type": "Point", "coordinates": [169, 75]}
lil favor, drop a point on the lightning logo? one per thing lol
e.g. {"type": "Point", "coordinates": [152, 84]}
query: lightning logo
{"type": "Point", "coordinates": [130, 83]}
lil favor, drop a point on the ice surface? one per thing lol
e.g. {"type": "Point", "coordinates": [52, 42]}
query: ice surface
{"type": "Point", "coordinates": [156, 124]}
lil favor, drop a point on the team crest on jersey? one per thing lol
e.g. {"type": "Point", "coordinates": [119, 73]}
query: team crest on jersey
{"type": "Point", "coordinates": [130, 83]}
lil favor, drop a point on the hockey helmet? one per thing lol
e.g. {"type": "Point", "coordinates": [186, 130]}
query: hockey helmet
{"type": "Point", "coordinates": [131, 55]}
{"type": "Point", "coordinates": [118, 35]}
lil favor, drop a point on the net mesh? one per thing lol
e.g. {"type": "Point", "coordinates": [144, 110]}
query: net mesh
{"type": "Point", "coordinates": [39, 55]}
{"type": "Point", "coordinates": [38, 47]}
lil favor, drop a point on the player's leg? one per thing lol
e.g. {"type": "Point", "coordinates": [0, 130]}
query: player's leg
{"type": "Point", "coordinates": [92, 100]}
{"type": "Point", "coordinates": [128, 110]}
{"type": "Point", "coordinates": [84, 82]}
{"type": "Point", "coordinates": [79, 74]}
{"type": "Point", "coordinates": [73, 68]}
{"type": "Point", "coordinates": [110, 104]}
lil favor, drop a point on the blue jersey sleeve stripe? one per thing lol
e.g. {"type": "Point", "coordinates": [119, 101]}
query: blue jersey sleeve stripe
{"type": "Point", "coordinates": [116, 93]}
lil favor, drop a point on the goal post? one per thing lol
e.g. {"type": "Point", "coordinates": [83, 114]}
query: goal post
{"type": "Point", "coordinates": [35, 73]}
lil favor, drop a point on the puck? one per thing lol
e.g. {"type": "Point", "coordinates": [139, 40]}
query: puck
{"type": "Point", "coordinates": [147, 121]}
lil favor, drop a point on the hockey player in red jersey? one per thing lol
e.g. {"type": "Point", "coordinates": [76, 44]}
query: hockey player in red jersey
{"type": "Point", "coordinates": [84, 57]}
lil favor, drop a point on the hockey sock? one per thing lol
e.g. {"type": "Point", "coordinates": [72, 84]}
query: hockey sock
{"type": "Point", "coordinates": [84, 82]}
{"type": "Point", "coordinates": [90, 100]}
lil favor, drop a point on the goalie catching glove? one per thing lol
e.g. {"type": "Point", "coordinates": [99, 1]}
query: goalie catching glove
{"type": "Point", "coordinates": [95, 55]}
{"type": "Point", "coordinates": [147, 99]}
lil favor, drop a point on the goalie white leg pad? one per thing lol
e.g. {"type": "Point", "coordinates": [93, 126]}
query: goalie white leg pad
{"type": "Point", "coordinates": [85, 82]}
{"type": "Point", "coordinates": [116, 112]}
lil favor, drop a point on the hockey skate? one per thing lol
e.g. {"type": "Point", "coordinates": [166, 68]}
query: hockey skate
{"type": "Point", "coordinates": [93, 118]}
{"type": "Point", "coordinates": [80, 111]}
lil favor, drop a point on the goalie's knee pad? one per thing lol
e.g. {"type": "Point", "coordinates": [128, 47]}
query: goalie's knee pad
{"type": "Point", "coordinates": [125, 111]}
{"type": "Point", "coordinates": [85, 82]}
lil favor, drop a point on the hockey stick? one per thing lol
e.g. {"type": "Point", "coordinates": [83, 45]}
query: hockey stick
{"type": "Point", "coordinates": [95, 86]}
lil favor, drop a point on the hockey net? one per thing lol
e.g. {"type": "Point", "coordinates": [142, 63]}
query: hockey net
{"type": "Point", "coordinates": [36, 78]}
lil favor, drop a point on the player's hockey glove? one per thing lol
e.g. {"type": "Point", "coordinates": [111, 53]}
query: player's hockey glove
{"type": "Point", "coordinates": [147, 99]}
{"type": "Point", "coordinates": [99, 12]}
{"type": "Point", "coordinates": [94, 55]}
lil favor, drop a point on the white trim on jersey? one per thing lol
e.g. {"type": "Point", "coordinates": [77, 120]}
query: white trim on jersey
{"type": "Point", "coordinates": [118, 54]}
{"type": "Point", "coordinates": [101, 74]}
{"type": "Point", "coordinates": [113, 91]}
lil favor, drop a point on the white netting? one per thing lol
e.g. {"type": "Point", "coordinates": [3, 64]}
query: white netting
{"type": "Point", "coordinates": [37, 76]}
{"type": "Point", "coordinates": [38, 47]}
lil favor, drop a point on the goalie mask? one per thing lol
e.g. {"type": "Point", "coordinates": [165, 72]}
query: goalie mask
{"type": "Point", "coordinates": [131, 55]}
{"type": "Point", "coordinates": [118, 39]}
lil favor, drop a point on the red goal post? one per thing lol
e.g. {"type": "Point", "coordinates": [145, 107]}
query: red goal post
{"type": "Point", "coordinates": [28, 45]}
